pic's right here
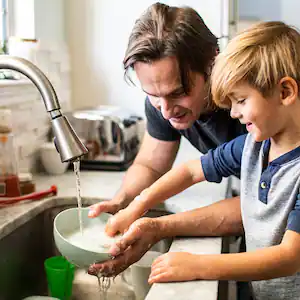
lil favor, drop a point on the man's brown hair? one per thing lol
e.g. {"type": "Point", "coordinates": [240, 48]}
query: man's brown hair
{"type": "Point", "coordinates": [164, 31]}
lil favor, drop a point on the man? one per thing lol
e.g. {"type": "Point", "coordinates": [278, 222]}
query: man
{"type": "Point", "coordinates": [172, 51]}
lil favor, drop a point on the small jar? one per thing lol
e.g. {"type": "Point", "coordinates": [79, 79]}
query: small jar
{"type": "Point", "coordinates": [9, 181]}
{"type": "Point", "coordinates": [27, 185]}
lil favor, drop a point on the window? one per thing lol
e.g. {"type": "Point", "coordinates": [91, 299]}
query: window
{"type": "Point", "coordinates": [21, 18]}
{"type": "Point", "coordinates": [3, 26]}
{"type": "Point", "coordinates": [17, 20]}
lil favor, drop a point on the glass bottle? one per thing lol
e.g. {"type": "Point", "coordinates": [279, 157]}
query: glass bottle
{"type": "Point", "coordinates": [9, 180]}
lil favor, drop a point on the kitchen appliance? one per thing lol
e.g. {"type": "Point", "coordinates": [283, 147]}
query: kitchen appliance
{"type": "Point", "coordinates": [111, 134]}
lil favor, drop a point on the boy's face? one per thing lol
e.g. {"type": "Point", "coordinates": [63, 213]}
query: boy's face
{"type": "Point", "coordinates": [161, 82]}
{"type": "Point", "coordinates": [262, 116]}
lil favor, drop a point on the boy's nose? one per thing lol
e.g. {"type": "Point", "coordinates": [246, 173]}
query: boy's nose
{"type": "Point", "coordinates": [235, 114]}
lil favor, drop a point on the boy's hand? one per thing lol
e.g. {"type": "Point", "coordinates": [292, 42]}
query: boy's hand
{"type": "Point", "coordinates": [174, 266]}
{"type": "Point", "coordinates": [121, 221]}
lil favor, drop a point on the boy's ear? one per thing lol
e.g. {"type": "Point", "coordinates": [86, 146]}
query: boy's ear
{"type": "Point", "coordinates": [288, 90]}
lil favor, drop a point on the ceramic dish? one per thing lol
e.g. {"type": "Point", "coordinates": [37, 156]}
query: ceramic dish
{"type": "Point", "coordinates": [82, 249]}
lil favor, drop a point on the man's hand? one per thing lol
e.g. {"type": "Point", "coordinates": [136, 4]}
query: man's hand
{"type": "Point", "coordinates": [139, 238]}
{"type": "Point", "coordinates": [112, 206]}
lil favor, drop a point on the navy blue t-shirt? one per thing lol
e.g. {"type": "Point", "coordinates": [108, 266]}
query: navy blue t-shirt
{"type": "Point", "coordinates": [208, 132]}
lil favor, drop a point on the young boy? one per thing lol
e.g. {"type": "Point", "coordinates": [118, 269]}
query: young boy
{"type": "Point", "coordinates": [257, 77]}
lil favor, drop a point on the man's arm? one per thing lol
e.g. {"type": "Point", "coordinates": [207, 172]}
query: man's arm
{"type": "Point", "coordinates": [154, 159]}
{"type": "Point", "coordinates": [222, 218]}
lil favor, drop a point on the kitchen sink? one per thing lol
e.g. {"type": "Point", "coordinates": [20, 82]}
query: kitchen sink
{"type": "Point", "coordinates": [23, 252]}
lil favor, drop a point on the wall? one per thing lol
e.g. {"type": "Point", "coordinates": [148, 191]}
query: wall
{"type": "Point", "coordinates": [97, 33]}
{"type": "Point", "coordinates": [31, 122]}
{"type": "Point", "coordinates": [283, 10]}
{"type": "Point", "coordinates": [37, 19]}
{"type": "Point", "coordinates": [43, 20]}
{"type": "Point", "coordinates": [23, 18]}
{"type": "Point", "coordinates": [290, 12]}
{"type": "Point", "coordinates": [264, 10]}
{"type": "Point", "coordinates": [49, 20]}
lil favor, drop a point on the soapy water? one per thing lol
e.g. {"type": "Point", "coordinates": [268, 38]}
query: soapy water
{"type": "Point", "coordinates": [93, 238]}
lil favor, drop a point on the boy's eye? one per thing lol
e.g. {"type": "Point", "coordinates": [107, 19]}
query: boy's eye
{"type": "Point", "coordinates": [241, 101]}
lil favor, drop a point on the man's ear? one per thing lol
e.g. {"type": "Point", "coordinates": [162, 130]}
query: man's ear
{"type": "Point", "coordinates": [288, 90]}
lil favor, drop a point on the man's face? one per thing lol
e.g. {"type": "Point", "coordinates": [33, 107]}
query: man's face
{"type": "Point", "coordinates": [160, 80]}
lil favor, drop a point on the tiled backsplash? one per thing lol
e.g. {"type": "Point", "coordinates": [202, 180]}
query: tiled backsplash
{"type": "Point", "coordinates": [31, 121]}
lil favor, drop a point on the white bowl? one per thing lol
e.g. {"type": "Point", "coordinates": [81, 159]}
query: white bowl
{"type": "Point", "coordinates": [89, 248]}
{"type": "Point", "coordinates": [50, 159]}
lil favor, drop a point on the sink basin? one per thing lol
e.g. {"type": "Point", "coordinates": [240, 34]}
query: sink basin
{"type": "Point", "coordinates": [23, 252]}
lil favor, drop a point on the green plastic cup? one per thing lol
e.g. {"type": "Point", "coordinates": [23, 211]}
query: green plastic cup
{"type": "Point", "coordinates": [60, 275]}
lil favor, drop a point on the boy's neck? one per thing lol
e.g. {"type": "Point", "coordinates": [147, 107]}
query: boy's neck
{"type": "Point", "coordinates": [289, 136]}
{"type": "Point", "coordinates": [284, 144]}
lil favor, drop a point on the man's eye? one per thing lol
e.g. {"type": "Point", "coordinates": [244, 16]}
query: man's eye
{"type": "Point", "coordinates": [153, 97]}
{"type": "Point", "coordinates": [177, 95]}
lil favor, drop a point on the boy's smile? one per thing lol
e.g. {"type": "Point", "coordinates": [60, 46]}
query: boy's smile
{"type": "Point", "coordinates": [248, 126]}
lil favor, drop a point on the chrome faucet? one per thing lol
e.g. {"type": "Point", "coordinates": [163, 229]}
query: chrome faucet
{"type": "Point", "coordinates": [66, 140]}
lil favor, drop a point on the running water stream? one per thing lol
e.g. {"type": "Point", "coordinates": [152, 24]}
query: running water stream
{"type": "Point", "coordinates": [79, 202]}
{"type": "Point", "coordinates": [103, 282]}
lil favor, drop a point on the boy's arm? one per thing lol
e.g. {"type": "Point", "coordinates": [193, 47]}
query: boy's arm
{"type": "Point", "coordinates": [172, 183]}
{"type": "Point", "coordinates": [263, 264]}
{"type": "Point", "coordinates": [221, 162]}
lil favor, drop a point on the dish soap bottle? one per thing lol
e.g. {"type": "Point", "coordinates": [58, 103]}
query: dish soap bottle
{"type": "Point", "coordinates": [9, 180]}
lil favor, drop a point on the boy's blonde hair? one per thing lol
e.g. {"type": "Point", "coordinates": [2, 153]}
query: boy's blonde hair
{"type": "Point", "coordinates": [259, 56]}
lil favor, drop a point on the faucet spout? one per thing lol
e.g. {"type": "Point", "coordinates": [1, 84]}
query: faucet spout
{"type": "Point", "coordinates": [67, 142]}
